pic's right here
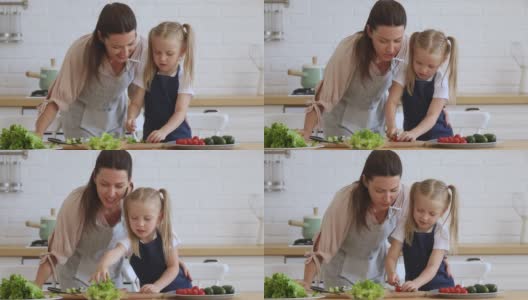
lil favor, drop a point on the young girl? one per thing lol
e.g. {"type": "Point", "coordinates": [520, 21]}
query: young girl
{"type": "Point", "coordinates": [168, 84]}
{"type": "Point", "coordinates": [151, 244]}
{"type": "Point", "coordinates": [426, 89]}
{"type": "Point", "coordinates": [424, 240]}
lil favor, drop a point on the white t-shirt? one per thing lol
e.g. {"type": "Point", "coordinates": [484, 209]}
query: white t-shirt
{"type": "Point", "coordinates": [126, 243]}
{"type": "Point", "coordinates": [185, 84]}
{"type": "Point", "coordinates": [441, 82]}
{"type": "Point", "coordinates": [441, 235]}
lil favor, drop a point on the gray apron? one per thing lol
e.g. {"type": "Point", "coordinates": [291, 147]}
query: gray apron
{"type": "Point", "coordinates": [101, 106]}
{"type": "Point", "coordinates": [90, 249]}
{"type": "Point", "coordinates": [362, 255]}
{"type": "Point", "coordinates": [362, 105]}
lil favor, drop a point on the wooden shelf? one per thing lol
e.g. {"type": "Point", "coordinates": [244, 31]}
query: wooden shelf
{"type": "Point", "coordinates": [463, 249]}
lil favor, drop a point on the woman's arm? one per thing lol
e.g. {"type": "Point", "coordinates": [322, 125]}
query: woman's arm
{"type": "Point", "coordinates": [392, 260]}
{"type": "Point", "coordinates": [310, 120]}
{"type": "Point", "coordinates": [428, 273]}
{"type": "Point", "coordinates": [46, 118]}
{"type": "Point", "coordinates": [44, 271]}
{"type": "Point", "coordinates": [110, 258]}
{"type": "Point", "coordinates": [180, 111]}
{"type": "Point", "coordinates": [137, 100]}
{"type": "Point", "coordinates": [309, 273]}
{"type": "Point", "coordinates": [395, 94]}
{"type": "Point", "coordinates": [427, 123]}
{"type": "Point", "coordinates": [173, 267]}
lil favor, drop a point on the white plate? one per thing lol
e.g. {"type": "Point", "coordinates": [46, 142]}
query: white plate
{"type": "Point", "coordinates": [298, 148]}
{"type": "Point", "coordinates": [465, 296]}
{"type": "Point", "coordinates": [204, 297]}
{"type": "Point", "coordinates": [436, 144]}
{"type": "Point", "coordinates": [200, 147]}
{"type": "Point", "coordinates": [306, 298]}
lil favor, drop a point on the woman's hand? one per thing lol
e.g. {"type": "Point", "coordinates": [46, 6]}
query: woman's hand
{"type": "Point", "coordinates": [156, 136]}
{"type": "Point", "coordinates": [131, 125]}
{"type": "Point", "coordinates": [307, 286]}
{"type": "Point", "coordinates": [410, 286]}
{"type": "Point", "coordinates": [393, 279]}
{"type": "Point", "coordinates": [149, 288]}
{"type": "Point", "coordinates": [101, 274]}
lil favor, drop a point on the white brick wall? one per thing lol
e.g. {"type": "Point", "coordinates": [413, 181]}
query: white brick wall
{"type": "Point", "coordinates": [485, 180]}
{"type": "Point", "coordinates": [209, 191]}
{"type": "Point", "coordinates": [224, 31]}
{"type": "Point", "coordinates": [483, 28]}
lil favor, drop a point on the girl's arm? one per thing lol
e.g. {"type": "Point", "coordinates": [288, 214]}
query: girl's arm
{"type": "Point", "coordinates": [173, 267]}
{"type": "Point", "coordinates": [110, 258]}
{"type": "Point", "coordinates": [428, 122]}
{"type": "Point", "coordinates": [395, 94]}
{"type": "Point", "coordinates": [180, 111]}
{"type": "Point", "coordinates": [137, 101]}
{"type": "Point", "coordinates": [392, 260]}
{"type": "Point", "coordinates": [428, 273]}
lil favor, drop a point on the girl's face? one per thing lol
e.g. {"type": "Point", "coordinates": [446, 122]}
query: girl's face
{"type": "Point", "coordinates": [426, 64]}
{"type": "Point", "coordinates": [387, 41]}
{"type": "Point", "coordinates": [167, 52]}
{"type": "Point", "coordinates": [383, 191]}
{"type": "Point", "coordinates": [112, 186]}
{"type": "Point", "coordinates": [144, 218]}
{"type": "Point", "coordinates": [120, 46]}
{"type": "Point", "coordinates": [426, 211]}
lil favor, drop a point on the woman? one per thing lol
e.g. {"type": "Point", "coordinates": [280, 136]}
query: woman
{"type": "Point", "coordinates": [91, 87]}
{"type": "Point", "coordinates": [352, 243]}
{"type": "Point", "coordinates": [359, 74]}
{"type": "Point", "coordinates": [89, 223]}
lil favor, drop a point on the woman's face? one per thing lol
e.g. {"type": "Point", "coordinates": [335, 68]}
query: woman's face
{"type": "Point", "coordinates": [386, 41]}
{"type": "Point", "coordinates": [120, 46]}
{"type": "Point", "coordinates": [112, 186]}
{"type": "Point", "coordinates": [383, 191]}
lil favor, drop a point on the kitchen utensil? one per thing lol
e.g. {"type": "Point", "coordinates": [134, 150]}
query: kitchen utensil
{"type": "Point", "coordinates": [61, 142]}
{"type": "Point", "coordinates": [46, 226]}
{"type": "Point", "coordinates": [520, 205]}
{"type": "Point", "coordinates": [310, 75]}
{"type": "Point", "coordinates": [60, 291]}
{"type": "Point", "coordinates": [256, 54]}
{"type": "Point", "coordinates": [310, 224]}
{"type": "Point", "coordinates": [47, 75]}
{"type": "Point", "coordinates": [520, 56]}
{"type": "Point", "coordinates": [256, 204]}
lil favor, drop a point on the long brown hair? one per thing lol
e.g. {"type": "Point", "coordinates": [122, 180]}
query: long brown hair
{"type": "Point", "coordinates": [185, 35]}
{"type": "Point", "coordinates": [379, 163]}
{"type": "Point", "coordinates": [383, 13]}
{"type": "Point", "coordinates": [435, 190]}
{"type": "Point", "coordinates": [114, 18]}
{"type": "Point", "coordinates": [90, 202]}
{"type": "Point", "coordinates": [434, 42]}
{"type": "Point", "coordinates": [160, 197]}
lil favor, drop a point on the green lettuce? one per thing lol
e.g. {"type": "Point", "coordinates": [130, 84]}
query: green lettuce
{"type": "Point", "coordinates": [367, 290]}
{"type": "Point", "coordinates": [365, 139]}
{"type": "Point", "coordinates": [281, 286]}
{"type": "Point", "coordinates": [17, 287]}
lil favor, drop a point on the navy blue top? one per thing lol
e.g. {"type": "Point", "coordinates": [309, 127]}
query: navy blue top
{"type": "Point", "coordinates": [415, 258]}
{"type": "Point", "coordinates": [160, 102]}
{"type": "Point", "coordinates": [415, 109]}
{"type": "Point", "coordinates": [151, 266]}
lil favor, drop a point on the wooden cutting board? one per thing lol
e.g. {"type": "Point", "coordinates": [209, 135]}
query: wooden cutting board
{"type": "Point", "coordinates": [414, 144]}
{"type": "Point", "coordinates": [391, 294]}
{"type": "Point", "coordinates": [129, 295]}
{"type": "Point", "coordinates": [124, 146]}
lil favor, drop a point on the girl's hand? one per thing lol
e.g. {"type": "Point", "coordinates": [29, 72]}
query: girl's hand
{"type": "Point", "coordinates": [407, 136]}
{"type": "Point", "coordinates": [392, 133]}
{"type": "Point", "coordinates": [149, 288]}
{"type": "Point", "coordinates": [410, 286]}
{"type": "Point", "coordinates": [131, 125]}
{"type": "Point", "coordinates": [101, 274]}
{"type": "Point", "coordinates": [156, 136]}
{"type": "Point", "coordinates": [393, 279]}
{"type": "Point", "coordinates": [185, 270]}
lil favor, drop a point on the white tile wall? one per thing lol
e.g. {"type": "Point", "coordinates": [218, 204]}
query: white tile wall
{"type": "Point", "coordinates": [225, 29]}
{"type": "Point", "coordinates": [484, 29]}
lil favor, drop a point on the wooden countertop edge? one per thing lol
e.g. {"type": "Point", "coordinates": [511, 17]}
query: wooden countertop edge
{"type": "Point", "coordinates": [199, 101]}
{"type": "Point", "coordinates": [463, 249]}
{"type": "Point", "coordinates": [190, 250]}
{"type": "Point", "coordinates": [461, 100]}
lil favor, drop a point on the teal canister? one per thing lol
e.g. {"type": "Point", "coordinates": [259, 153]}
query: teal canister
{"type": "Point", "coordinates": [311, 224]}
{"type": "Point", "coordinates": [310, 75]}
